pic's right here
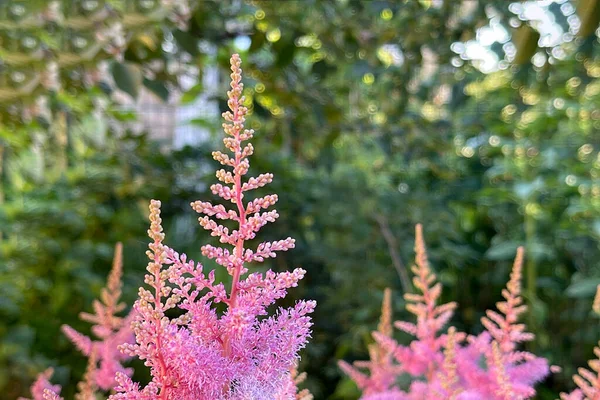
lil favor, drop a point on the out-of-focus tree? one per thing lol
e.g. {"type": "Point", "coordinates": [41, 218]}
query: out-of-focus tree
{"type": "Point", "coordinates": [61, 60]}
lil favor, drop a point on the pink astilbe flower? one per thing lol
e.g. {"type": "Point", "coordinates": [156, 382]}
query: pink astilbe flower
{"type": "Point", "coordinates": [382, 374]}
{"type": "Point", "coordinates": [424, 355]}
{"type": "Point", "coordinates": [511, 374]}
{"type": "Point", "coordinates": [488, 367]}
{"type": "Point", "coordinates": [105, 359]}
{"type": "Point", "coordinates": [588, 382]}
{"type": "Point", "coordinates": [111, 330]}
{"type": "Point", "coordinates": [42, 388]}
{"type": "Point", "coordinates": [290, 389]}
{"type": "Point", "coordinates": [503, 326]}
{"type": "Point", "coordinates": [242, 352]}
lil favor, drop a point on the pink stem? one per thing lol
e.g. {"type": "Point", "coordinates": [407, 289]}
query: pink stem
{"type": "Point", "coordinates": [239, 248]}
{"type": "Point", "coordinates": [157, 303]}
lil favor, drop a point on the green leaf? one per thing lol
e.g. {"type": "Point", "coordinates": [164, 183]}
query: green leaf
{"type": "Point", "coordinates": [285, 54]}
{"type": "Point", "coordinates": [502, 251]}
{"type": "Point", "coordinates": [539, 310]}
{"type": "Point", "coordinates": [539, 251]}
{"type": "Point", "coordinates": [202, 122]}
{"type": "Point", "coordinates": [583, 288]}
{"type": "Point", "coordinates": [596, 226]}
{"type": "Point", "coordinates": [187, 42]}
{"type": "Point", "coordinates": [127, 78]}
{"type": "Point", "coordinates": [192, 93]}
{"type": "Point", "coordinates": [158, 88]}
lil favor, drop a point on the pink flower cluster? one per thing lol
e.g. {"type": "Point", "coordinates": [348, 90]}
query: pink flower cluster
{"type": "Point", "coordinates": [451, 365]}
{"type": "Point", "coordinates": [193, 350]}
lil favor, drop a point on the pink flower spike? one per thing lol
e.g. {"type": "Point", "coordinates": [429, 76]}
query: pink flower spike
{"type": "Point", "coordinates": [230, 353]}
{"type": "Point", "coordinates": [503, 327]}
{"type": "Point", "coordinates": [113, 331]}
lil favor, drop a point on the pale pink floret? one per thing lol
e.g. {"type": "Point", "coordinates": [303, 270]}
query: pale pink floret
{"type": "Point", "coordinates": [382, 373]}
{"type": "Point", "coordinates": [50, 394]}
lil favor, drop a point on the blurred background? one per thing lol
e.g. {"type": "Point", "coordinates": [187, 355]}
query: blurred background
{"type": "Point", "coordinates": [478, 118]}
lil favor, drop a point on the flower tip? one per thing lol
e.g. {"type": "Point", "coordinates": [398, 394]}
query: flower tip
{"type": "Point", "coordinates": [235, 62]}
{"type": "Point", "coordinates": [555, 369]}
{"type": "Point", "coordinates": [520, 252]}
{"type": "Point", "coordinates": [596, 304]}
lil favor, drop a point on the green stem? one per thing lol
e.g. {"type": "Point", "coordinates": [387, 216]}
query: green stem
{"type": "Point", "coordinates": [531, 269]}
{"type": "Point", "coordinates": [2, 181]}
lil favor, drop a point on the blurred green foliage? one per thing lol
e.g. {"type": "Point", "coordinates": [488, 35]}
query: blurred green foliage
{"type": "Point", "coordinates": [371, 119]}
{"type": "Point", "coordinates": [57, 231]}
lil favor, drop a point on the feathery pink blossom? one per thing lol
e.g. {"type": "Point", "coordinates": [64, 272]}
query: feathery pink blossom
{"type": "Point", "coordinates": [202, 354]}
{"type": "Point", "coordinates": [511, 374]}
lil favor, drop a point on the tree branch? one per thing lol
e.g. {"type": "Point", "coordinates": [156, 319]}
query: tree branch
{"type": "Point", "coordinates": [394, 254]}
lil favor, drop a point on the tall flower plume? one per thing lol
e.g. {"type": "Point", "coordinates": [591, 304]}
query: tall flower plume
{"type": "Point", "coordinates": [242, 352]}
{"type": "Point", "coordinates": [503, 326]}
{"type": "Point", "coordinates": [423, 356]}
{"type": "Point", "coordinates": [111, 331]}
